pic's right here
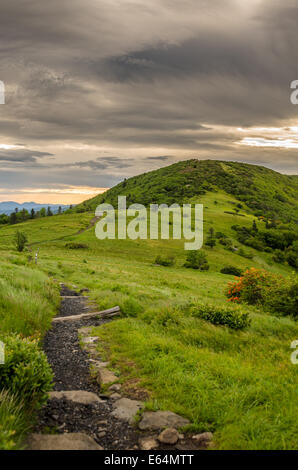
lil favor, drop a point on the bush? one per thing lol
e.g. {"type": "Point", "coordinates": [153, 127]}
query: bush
{"type": "Point", "coordinates": [279, 257]}
{"type": "Point", "coordinates": [231, 270]}
{"type": "Point", "coordinates": [131, 308]}
{"type": "Point", "coordinates": [26, 372]}
{"type": "Point", "coordinates": [218, 315]}
{"type": "Point", "coordinates": [13, 423]}
{"type": "Point", "coordinates": [76, 246]}
{"type": "Point", "coordinates": [271, 291]}
{"type": "Point", "coordinates": [20, 240]}
{"type": "Point", "coordinates": [165, 261]}
{"type": "Point", "coordinates": [245, 254]}
{"type": "Point", "coordinates": [197, 260]}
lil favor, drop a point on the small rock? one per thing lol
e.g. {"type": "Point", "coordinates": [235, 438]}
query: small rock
{"type": "Point", "coordinates": [101, 434]}
{"type": "Point", "coordinates": [203, 439]}
{"type": "Point", "coordinates": [76, 396]}
{"type": "Point", "coordinates": [69, 441]}
{"type": "Point", "coordinates": [181, 436]}
{"type": "Point", "coordinates": [90, 340]}
{"type": "Point", "coordinates": [115, 388]}
{"type": "Point", "coordinates": [105, 376]}
{"type": "Point", "coordinates": [169, 436]}
{"type": "Point", "coordinates": [86, 330]}
{"type": "Point", "coordinates": [102, 422]}
{"type": "Point", "coordinates": [115, 396]}
{"type": "Point", "coordinates": [126, 409]}
{"type": "Point", "coordinates": [148, 443]}
{"type": "Point", "coordinates": [85, 289]}
{"type": "Point", "coordinates": [157, 420]}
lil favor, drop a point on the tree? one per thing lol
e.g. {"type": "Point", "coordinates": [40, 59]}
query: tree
{"type": "Point", "coordinates": [254, 227]}
{"type": "Point", "coordinates": [32, 216]}
{"type": "Point", "coordinates": [13, 218]}
{"type": "Point", "coordinates": [60, 210]}
{"type": "Point", "coordinates": [49, 212]}
{"type": "Point", "coordinates": [211, 242]}
{"type": "Point", "coordinates": [42, 212]}
{"type": "Point", "coordinates": [197, 260]}
{"type": "Point", "coordinates": [20, 240]}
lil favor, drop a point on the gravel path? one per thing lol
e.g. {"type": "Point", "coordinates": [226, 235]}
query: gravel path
{"type": "Point", "coordinates": [71, 365]}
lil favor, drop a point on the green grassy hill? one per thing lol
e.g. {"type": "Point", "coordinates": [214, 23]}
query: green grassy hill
{"type": "Point", "coordinates": [265, 192]}
{"type": "Point", "coordinates": [239, 384]}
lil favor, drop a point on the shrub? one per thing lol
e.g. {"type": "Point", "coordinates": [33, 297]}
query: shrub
{"type": "Point", "coordinates": [76, 246]}
{"type": "Point", "coordinates": [20, 240]}
{"type": "Point", "coordinates": [279, 257]}
{"type": "Point", "coordinates": [218, 315]}
{"type": "Point", "coordinates": [197, 260]}
{"type": "Point", "coordinates": [26, 372]}
{"type": "Point", "coordinates": [245, 254]}
{"type": "Point", "coordinates": [131, 308]}
{"type": "Point", "coordinates": [292, 258]}
{"type": "Point", "coordinates": [271, 291]}
{"type": "Point", "coordinates": [165, 260]}
{"type": "Point", "coordinates": [231, 270]}
{"type": "Point", "coordinates": [13, 423]}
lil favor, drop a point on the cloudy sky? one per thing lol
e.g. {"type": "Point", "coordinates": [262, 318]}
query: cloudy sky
{"type": "Point", "coordinates": [99, 90]}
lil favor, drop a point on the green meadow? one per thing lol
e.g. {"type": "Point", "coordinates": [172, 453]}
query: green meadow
{"type": "Point", "coordinates": [241, 385]}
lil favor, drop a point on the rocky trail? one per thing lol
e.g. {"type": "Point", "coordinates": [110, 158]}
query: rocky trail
{"type": "Point", "coordinates": [78, 416]}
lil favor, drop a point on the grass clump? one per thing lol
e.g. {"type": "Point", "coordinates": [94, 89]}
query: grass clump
{"type": "Point", "coordinates": [232, 270]}
{"type": "Point", "coordinates": [76, 246]}
{"type": "Point", "coordinates": [165, 260]}
{"type": "Point", "coordinates": [220, 315]}
{"type": "Point", "coordinates": [13, 422]}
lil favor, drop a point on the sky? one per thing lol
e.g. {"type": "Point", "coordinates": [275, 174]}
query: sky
{"type": "Point", "coordinates": [100, 90]}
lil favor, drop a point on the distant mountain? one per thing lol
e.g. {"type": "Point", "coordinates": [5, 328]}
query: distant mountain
{"type": "Point", "coordinates": [265, 192]}
{"type": "Point", "coordinates": [8, 207]}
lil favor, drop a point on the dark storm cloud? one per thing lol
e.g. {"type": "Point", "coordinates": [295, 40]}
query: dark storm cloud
{"type": "Point", "coordinates": [162, 158]}
{"type": "Point", "coordinates": [102, 163]}
{"type": "Point", "coordinates": [22, 155]}
{"type": "Point", "coordinates": [140, 79]}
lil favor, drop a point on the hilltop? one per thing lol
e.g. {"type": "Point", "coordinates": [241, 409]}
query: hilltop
{"type": "Point", "coordinates": [264, 192]}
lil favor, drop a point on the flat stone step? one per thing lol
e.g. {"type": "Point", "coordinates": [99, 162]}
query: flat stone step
{"type": "Point", "coordinates": [111, 312]}
{"type": "Point", "coordinates": [73, 297]}
{"type": "Point", "coordinates": [68, 441]}
{"type": "Point", "coordinates": [76, 396]}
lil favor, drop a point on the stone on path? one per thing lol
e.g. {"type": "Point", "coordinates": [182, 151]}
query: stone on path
{"type": "Point", "coordinates": [90, 339]}
{"type": "Point", "coordinates": [148, 443]}
{"type": "Point", "coordinates": [105, 376]}
{"type": "Point", "coordinates": [115, 396]}
{"type": "Point", "coordinates": [157, 420]}
{"type": "Point", "coordinates": [77, 396]}
{"type": "Point", "coordinates": [85, 330]}
{"type": "Point", "coordinates": [203, 439]}
{"type": "Point", "coordinates": [169, 436]}
{"type": "Point", "coordinates": [68, 441]}
{"type": "Point", "coordinates": [115, 388]}
{"type": "Point", "coordinates": [126, 409]}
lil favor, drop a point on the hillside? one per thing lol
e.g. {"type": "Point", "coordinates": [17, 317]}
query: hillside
{"type": "Point", "coordinates": [264, 191]}
{"type": "Point", "coordinates": [239, 384]}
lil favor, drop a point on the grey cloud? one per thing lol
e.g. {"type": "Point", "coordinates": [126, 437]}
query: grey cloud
{"type": "Point", "coordinates": [22, 155]}
{"type": "Point", "coordinates": [152, 77]}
